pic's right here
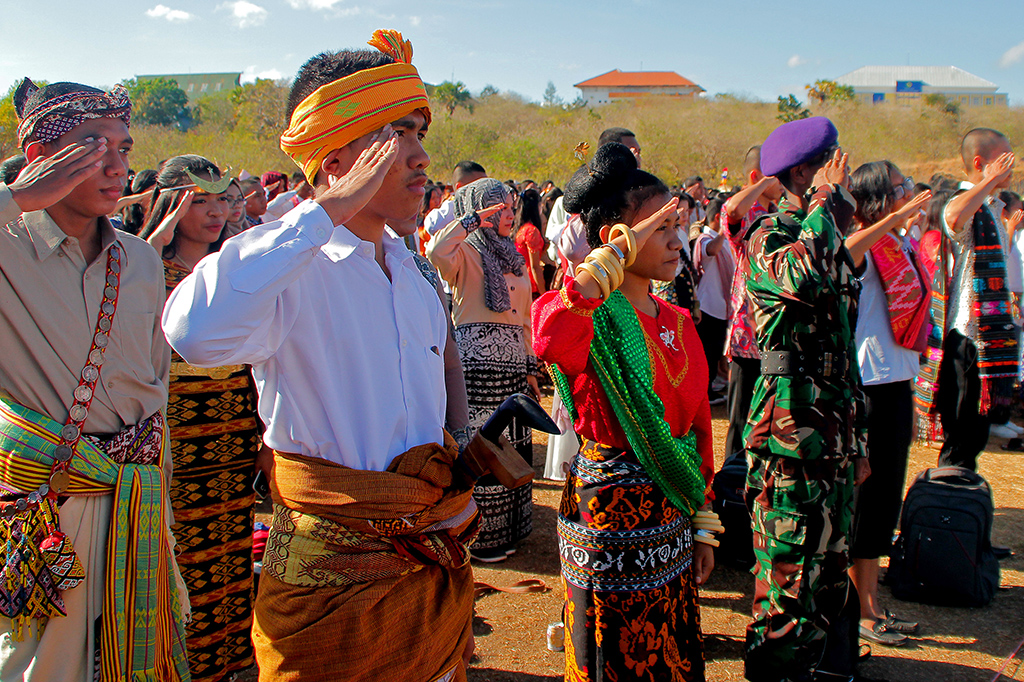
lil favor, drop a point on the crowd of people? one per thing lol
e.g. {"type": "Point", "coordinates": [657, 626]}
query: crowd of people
{"type": "Point", "coordinates": [349, 335]}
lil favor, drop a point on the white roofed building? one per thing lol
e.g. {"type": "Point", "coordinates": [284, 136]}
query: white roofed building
{"type": "Point", "coordinates": [908, 84]}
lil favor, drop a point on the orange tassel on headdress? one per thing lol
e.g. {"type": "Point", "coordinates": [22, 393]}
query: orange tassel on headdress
{"type": "Point", "coordinates": [390, 42]}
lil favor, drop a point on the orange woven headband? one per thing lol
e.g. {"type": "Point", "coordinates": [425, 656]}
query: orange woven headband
{"type": "Point", "coordinates": [356, 105]}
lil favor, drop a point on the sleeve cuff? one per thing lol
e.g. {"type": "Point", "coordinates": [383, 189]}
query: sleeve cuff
{"type": "Point", "coordinates": [576, 302]}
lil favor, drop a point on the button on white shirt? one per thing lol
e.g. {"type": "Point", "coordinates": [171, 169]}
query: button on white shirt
{"type": "Point", "coordinates": [341, 355]}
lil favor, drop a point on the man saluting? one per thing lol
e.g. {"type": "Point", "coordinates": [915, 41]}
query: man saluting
{"type": "Point", "coordinates": [367, 551]}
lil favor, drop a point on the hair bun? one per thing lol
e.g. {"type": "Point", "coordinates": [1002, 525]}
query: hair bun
{"type": "Point", "coordinates": [606, 174]}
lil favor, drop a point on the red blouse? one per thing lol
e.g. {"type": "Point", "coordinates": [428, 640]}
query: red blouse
{"type": "Point", "coordinates": [529, 238]}
{"type": "Point", "coordinates": [562, 332]}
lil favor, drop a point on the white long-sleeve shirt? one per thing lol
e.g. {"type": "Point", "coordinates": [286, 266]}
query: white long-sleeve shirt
{"type": "Point", "coordinates": [349, 365]}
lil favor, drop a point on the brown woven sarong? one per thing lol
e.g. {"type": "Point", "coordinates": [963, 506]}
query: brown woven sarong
{"type": "Point", "coordinates": [388, 592]}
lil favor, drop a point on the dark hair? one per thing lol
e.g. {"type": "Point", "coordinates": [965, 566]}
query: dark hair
{"type": "Point", "coordinates": [10, 168]}
{"type": "Point", "coordinates": [528, 210]}
{"type": "Point", "coordinates": [979, 142]}
{"type": "Point", "coordinates": [685, 198]}
{"type": "Point", "coordinates": [692, 180]}
{"type": "Point", "coordinates": [463, 169]}
{"type": "Point", "coordinates": [171, 174]}
{"type": "Point", "coordinates": [940, 182]}
{"type": "Point", "coordinates": [1009, 198]}
{"type": "Point", "coordinates": [752, 161]}
{"type": "Point", "coordinates": [920, 187]}
{"type": "Point", "coordinates": [871, 186]}
{"type": "Point", "coordinates": [614, 135]}
{"type": "Point", "coordinates": [428, 193]}
{"type": "Point", "coordinates": [328, 67]}
{"type": "Point", "coordinates": [133, 216]}
{"type": "Point", "coordinates": [296, 179]}
{"type": "Point", "coordinates": [609, 190]}
{"type": "Point", "coordinates": [933, 216]}
{"type": "Point", "coordinates": [714, 208]}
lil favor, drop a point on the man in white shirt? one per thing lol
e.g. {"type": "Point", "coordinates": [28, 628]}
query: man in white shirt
{"type": "Point", "coordinates": [346, 340]}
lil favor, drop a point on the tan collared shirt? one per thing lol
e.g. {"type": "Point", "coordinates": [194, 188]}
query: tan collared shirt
{"type": "Point", "coordinates": [49, 304]}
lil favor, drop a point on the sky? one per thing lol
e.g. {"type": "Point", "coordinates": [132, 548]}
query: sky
{"type": "Point", "coordinates": [757, 50]}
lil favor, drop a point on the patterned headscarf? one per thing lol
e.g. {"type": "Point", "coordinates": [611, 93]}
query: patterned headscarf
{"type": "Point", "coordinates": [45, 118]}
{"type": "Point", "coordinates": [498, 254]}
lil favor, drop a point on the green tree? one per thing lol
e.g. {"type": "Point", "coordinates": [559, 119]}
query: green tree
{"type": "Point", "coordinates": [829, 92]}
{"type": "Point", "coordinates": [488, 91]}
{"type": "Point", "coordinates": [942, 103]}
{"type": "Point", "coordinates": [551, 98]}
{"type": "Point", "coordinates": [159, 101]}
{"type": "Point", "coordinates": [260, 108]}
{"type": "Point", "coordinates": [453, 95]}
{"type": "Point", "coordinates": [791, 109]}
{"type": "Point", "coordinates": [8, 124]}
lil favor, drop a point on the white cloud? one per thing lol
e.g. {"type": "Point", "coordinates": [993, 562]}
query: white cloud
{"type": "Point", "coordinates": [414, 21]}
{"type": "Point", "coordinates": [313, 4]}
{"type": "Point", "coordinates": [165, 12]}
{"type": "Point", "coordinates": [250, 74]}
{"type": "Point", "coordinates": [1012, 56]}
{"type": "Point", "coordinates": [795, 61]}
{"type": "Point", "coordinates": [245, 13]}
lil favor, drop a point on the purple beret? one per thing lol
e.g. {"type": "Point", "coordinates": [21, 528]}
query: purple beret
{"type": "Point", "coordinates": [795, 142]}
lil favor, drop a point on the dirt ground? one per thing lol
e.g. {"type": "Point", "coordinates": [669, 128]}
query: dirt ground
{"type": "Point", "coordinates": [953, 644]}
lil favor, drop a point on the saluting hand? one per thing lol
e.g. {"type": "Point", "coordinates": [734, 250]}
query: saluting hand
{"type": "Point", "coordinates": [164, 232]}
{"type": "Point", "coordinates": [348, 194]}
{"type": "Point", "coordinates": [835, 172]}
{"type": "Point", "coordinates": [47, 180]}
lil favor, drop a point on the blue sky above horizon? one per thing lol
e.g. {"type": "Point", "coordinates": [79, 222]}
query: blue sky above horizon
{"type": "Point", "coordinates": [757, 50]}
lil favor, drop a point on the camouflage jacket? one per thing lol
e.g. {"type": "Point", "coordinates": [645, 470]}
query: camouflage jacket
{"type": "Point", "coordinates": [804, 294]}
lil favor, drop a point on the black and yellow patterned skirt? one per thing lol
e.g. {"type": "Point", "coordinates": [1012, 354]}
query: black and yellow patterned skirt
{"type": "Point", "coordinates": [214, 441]}
{"type": "Point", "coordinates": [631, 608]}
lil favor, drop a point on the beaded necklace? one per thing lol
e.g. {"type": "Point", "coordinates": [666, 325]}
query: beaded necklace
{"type": "Point", "coordinates": [619, 355]}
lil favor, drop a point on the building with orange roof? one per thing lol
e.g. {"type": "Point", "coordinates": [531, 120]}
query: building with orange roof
{"type": "Point", "coordinates": [616, 85]}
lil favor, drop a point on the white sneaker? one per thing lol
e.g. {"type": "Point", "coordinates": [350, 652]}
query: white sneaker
{"type": "Point", "coordinates": [1002, 431]}
{"type": "Point", "coordinates": [1018, 429]}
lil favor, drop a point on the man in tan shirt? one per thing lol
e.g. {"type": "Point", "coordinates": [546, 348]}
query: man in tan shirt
{"type": "Point", "coordinates": [55, 281]}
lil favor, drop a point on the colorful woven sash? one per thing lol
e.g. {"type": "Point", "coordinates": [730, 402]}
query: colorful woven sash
{"type": "Point", "coordinates": [906, 291]}
{"type": "Point", "coordinates": [142, 637]}
{"type": "Point", "coordinates": [619, 356]}
{"type": "Point", "coordinates": [997, 334]}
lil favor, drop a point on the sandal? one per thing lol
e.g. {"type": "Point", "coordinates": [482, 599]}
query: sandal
{"type": "Point", "coordinates": [882, 633]}
{"type": "Point", "coordinates": [898, 624]}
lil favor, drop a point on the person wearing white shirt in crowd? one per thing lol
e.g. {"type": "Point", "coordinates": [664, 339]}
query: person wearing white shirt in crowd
{"type": "Point", "coordinates": [346, 340]}
{"type": "Point", "coordinates": [713, 257]}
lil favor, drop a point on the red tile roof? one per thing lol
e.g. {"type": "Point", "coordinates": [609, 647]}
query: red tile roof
{"type": "Point", "coordinates": [618, 79]}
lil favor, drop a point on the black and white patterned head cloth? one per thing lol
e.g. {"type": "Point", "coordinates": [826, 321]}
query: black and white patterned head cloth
{"type": "Point", "coordinates": [44, 118]}
{"type": "Point", "coordinates": [498, 254]}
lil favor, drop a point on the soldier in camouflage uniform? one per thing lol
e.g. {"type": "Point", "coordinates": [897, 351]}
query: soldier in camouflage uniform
{"type": "Point", "coordinates": [803, 431]}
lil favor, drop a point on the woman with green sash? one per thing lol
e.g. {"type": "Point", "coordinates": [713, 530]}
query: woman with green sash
{"type": "Point", "coordinates": [630, 369]}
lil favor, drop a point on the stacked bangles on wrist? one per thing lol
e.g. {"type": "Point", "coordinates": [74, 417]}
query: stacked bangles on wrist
{"type": "Point", "coordinates": [607, 263]}
{"type": "Point", "coordinates": [705, 525]}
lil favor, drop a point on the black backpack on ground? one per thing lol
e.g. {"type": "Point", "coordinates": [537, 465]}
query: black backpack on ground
{"type": "Point", "coordinates": [944, 551]}
{"type": "Point", "coordinates": [736, 546]}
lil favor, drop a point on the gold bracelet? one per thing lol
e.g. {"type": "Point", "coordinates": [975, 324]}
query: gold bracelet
{"type": "Point", "coordinates": [630, 239]}
{"type": "Point", "coordinates": [601, 280]}
{"type": "Point", "coordinates": [611, 266]}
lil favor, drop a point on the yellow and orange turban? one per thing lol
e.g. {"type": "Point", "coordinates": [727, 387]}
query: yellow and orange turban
{"type": "Point", "coordinates": [348, 108]}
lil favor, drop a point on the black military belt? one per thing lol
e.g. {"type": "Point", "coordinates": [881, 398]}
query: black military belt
{"type": "Point", "coordinates": [804, 363]}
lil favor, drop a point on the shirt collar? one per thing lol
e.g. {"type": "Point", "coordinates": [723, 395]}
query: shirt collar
{"type": "Point", "coordinates": [993, 200]}
{"type": "Point", "coordinates": [47, 236]}
{"type": "Point", "coordinates": [343, 243]}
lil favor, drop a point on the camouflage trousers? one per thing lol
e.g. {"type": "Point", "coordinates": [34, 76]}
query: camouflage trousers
{"type": "Point", "coordinates": [801, 511]}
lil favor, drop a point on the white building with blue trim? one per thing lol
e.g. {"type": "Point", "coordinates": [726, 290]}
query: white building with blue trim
{"type": "Point", "coordinates": [909, 84]}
